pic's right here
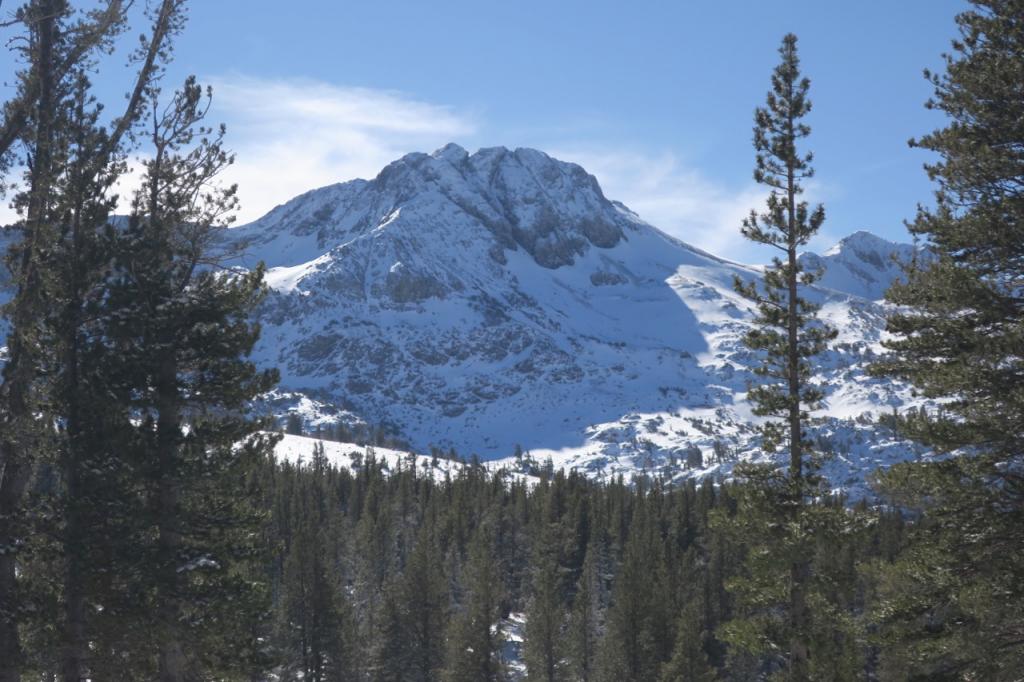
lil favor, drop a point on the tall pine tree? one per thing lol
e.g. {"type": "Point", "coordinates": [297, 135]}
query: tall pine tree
{"type": "Point", "coordinates": [474, 653]}
{"type": "Point", "coordinates": [584, 633]}
{"type": "Point", "coordinates": [314, 617]}
{"type": "Point", "coordinates": [545, 615]}
{"type": "Point", "coordinates": [182, 329]}
{"type": "Point", "coordinates": [787, 334]}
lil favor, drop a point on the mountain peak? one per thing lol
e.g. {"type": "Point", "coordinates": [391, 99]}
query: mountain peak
{"type": "Point", "coordinates": [862, 241]}
{"type": "Point", "coordinates": [502, 200]}
{"type": "Point", "coordinates": [862, 264]}
{"type": "Point", "coordinates": [451, 152]}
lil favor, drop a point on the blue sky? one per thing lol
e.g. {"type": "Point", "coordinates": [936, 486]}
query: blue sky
{"type": "Point", "coordinates": [655, 98]}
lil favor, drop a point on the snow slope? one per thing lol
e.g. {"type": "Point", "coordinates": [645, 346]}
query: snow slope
{"type": "Point", "coordinates": [351, 456]}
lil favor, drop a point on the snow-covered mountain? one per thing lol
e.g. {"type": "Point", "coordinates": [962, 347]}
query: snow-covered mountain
{"type": "Point", "coordinates": [488, 300]}
{"type": "Point", "coordinates": [862, 264]}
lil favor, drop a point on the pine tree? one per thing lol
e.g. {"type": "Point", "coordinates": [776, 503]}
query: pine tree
{"type": "Point", "coordinates": [314, 619]}
{"type": "Point", "coordinates": [473, 651]}
{"type": "Point", "coordinates": [387, 648]}
{"type": "Point", "coordinates": [374, 555]}
{"type": "Point", "coordinates": [409, 642]}
{"type": "Point", "coordinates": [689, 660]}
{"type": "Point", "coordinates": [953, 601]}
{"type": "Point", "coordinates": [629, 649]}
{"type": "Point", "coordinates": [182, 329]}
{"type": "Point", "coordinates": [585, 622]}
{"type": "Point", "coordinates": [96, 484]}
{"type": "Point", "coordinates": [293, 424]}
{"type": "Point", "coordinates": [34, 114]}
{"type": "Point", "coordinates": [425, 604]}
{"type": "Point", "coordinates": [788, 335]}
{"type": "Point", "coordinates": [545, 615]}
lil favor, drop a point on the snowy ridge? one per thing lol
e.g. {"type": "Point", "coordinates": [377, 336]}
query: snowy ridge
{"type": "Point", "coordinates": [488, 300]}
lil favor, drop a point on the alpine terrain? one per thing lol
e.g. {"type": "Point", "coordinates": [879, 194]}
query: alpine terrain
{"type": "Point", "coordinates": [498, 302]}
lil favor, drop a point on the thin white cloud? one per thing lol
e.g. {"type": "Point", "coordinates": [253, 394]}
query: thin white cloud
{"type": "Point", "coordinates": [296, 135]}
{"type": "Point", "coordinates": [293, 136]}
{"type": "Point", "coordinates": [683, 201]}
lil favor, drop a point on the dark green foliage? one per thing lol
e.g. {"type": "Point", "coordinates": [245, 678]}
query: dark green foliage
{"type": "Point", "coordinates": [689, 658]}
{"type": "Point", "coordinates": [469, 550]}
{"type": "Point", "coordinates": [829, 538]}
{"type": "Point", "coordinates": [965, 323]}
{"type": "Point", "coordinates": [441, 566]}
{"type": "Point", "coordinates": [33, 118]}
{"type": "Point", "coordinates": [474, 652]}
{"type": "Point", "coordinates": [409, 643]}
{"type": "Point", "coordinates": [786, 331]}
{"type": "Point", "coordinates": [545, 614]}
{"type": "Point", "coordinates": [95, 500]}
{"type": "Point", "coordinates": [162, 541]}
{"type": "Point", "coordinates": [952, 603]}
{"type": "Point", "coordinates": [177, 333]}
{"type": "Point", "coordinates": [587, 617]}
{"type": "Point", "coordinates": [49, 380]}
{"type": "Point", "coordinates": [314, 621]}
{"type": "Point", "coordinates": [629, 649]}
{"type": "Point", "coordinates": [293, 424]}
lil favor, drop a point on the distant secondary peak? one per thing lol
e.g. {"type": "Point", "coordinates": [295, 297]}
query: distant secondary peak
{"type": "Point", "coordinates": [451, 152]}
{"type": "Point", "coordinates": [861, 240]}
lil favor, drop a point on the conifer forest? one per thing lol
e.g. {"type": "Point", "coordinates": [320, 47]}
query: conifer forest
{"type": "Point", "coordinates": [172, 508]}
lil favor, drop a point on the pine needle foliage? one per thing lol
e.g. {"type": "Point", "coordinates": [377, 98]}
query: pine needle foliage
{"type": "Point", "coordinates": [952, 602]}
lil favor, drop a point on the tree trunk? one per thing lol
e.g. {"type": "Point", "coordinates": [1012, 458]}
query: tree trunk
{"type": "Point", "coordinates": [17, 428]}
{"type": "Point", "coordinates": [75, 643]}
{"type": "Point", "coordinates": [799, 569]}
{"type": "Point", "coordinates": [173, 663]}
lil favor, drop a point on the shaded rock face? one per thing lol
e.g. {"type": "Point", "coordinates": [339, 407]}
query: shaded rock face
{"type": "Point", "coordinates": [403, 285]}
{"type": "Point", "coordinates": [605, 278]}
{"type": "Point", "coordinates": [487, 300]}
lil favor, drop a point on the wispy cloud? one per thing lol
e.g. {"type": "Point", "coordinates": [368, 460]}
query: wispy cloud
{"type": "Point", "coordinates": [683, 201]}
{"type": "Point", "coordinates": [292, 136]}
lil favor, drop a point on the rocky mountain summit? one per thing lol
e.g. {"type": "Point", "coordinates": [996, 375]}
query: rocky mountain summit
{"type": "Point", "coordinates": [498, 299]}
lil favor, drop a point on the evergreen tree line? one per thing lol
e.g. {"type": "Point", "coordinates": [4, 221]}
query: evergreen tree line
{"type": "Point", "coordinates": [340, 432]}
{"type": "Point", "coordinates": [406, 575]}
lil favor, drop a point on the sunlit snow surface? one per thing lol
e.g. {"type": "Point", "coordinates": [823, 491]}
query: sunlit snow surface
{"type": "Point", "coordinates": [485, 301]}
{"type": "Point", "coordinates": [351, 456]}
